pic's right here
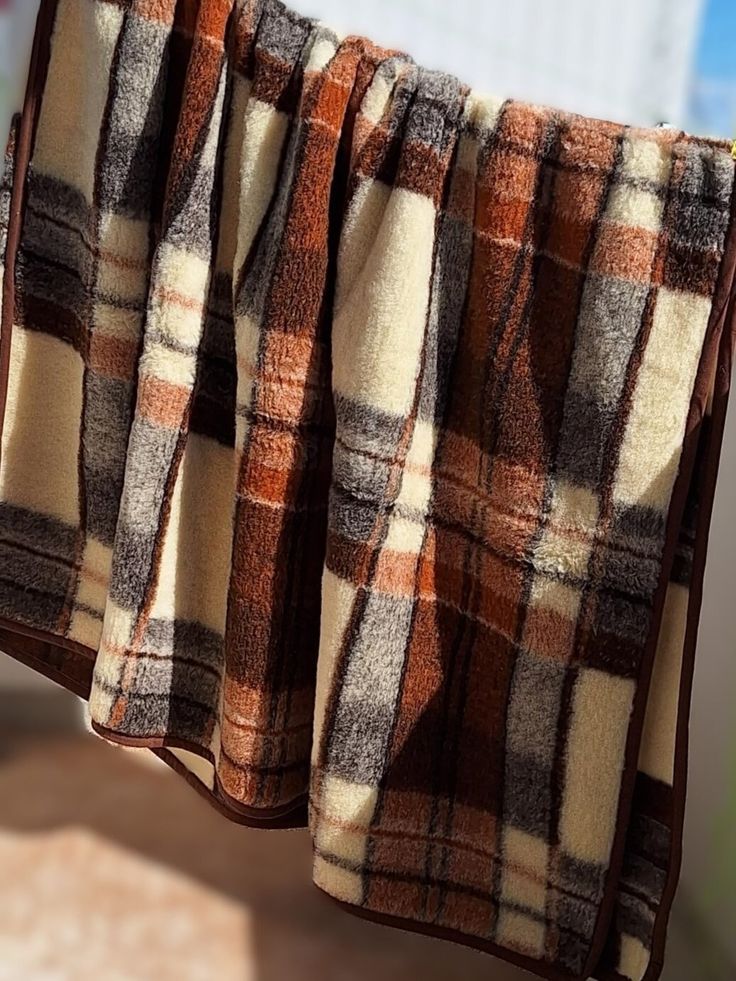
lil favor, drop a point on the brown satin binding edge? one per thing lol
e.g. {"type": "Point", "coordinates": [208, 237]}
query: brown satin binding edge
{"type": "Point", "coordinates": [29, 118]}
{"type": "Point", "coordinates": [707, 485]}
{"type": "Point", "coordinates": [294, 819]}
{"type": "Point", "coordinates": [39, 650]}
{"type": "Point", "coordinates": [291, 815]}
{"type": "Point", "coordinates": [713, 377]}
{"type": "Point", "coordinates": [14, 636]}
{"type": "Point", "coordinates": [539, 968]}
{"type": "Point", "coordinates": [27, 646]}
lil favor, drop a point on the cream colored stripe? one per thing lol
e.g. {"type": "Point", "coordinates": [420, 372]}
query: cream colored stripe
{"type": "Point", "coordinates": [416, 484]}
{"type": "Point", "coordinates": [652, 442]}
{"type": "Point", "coordinates": [263, 138]}
{"type": "Point", "coordinates": [525, 859]}
{"type": "Point", "coordinates": [124, 248]}
{"type": "Point", "coordinates": [263, 135]}
{"type": "Point", "coordinates": [379, 331]}
{"type": "Point", "coordinates": [195, 562]}
{"type": "Point", "coordinates": [657, 751]}
{"type": "Point", "coordinates": [85, 629]}
{"type": "Point", "coordinates": [646, 160]}
{"type": "Point", "coordinates": [360, 229]}
{"type": "Point", "coordinates": [95, 577]}
{"type": "Point", "coordinates": [321, 54]}
{"type": "Point", "coordinates": [117, 630]}
{"type": "Point", "coordinates": [202, 769]}
{"type": "Point", "coordinates": [595, 754]}
{"type": "Point", "coordinates": [348, 803]}
{"type": "Point", "coordinates": [76, 92]}
{"type": "Point", "coordinates": [376, 98]}
{"type": "Point", "coordinates": [406, 532]}
{"type": "Point", "coordinates": [520, 932]}
{"type": "Point", "coordinates": [337, 881]}
{"type": "Point", "coordinates": [337, 602]}
{"type": "Point", "coordinates": [634, 958]}
{"type": "Point", "coordinates": [38, 469]}
{"type": "Point", "coordinates": [176, 316]}
{"type": "Point", "coordinates": [633, 207]}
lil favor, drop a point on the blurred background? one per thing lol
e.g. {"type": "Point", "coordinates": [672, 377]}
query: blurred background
{"type": "Point", "coordinates": [110, 867]}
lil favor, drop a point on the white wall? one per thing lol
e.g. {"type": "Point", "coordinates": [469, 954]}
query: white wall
{"type": "Point", "coordinates": [16, 33]}
{"type": "Point", "coordinates": [626, 60]}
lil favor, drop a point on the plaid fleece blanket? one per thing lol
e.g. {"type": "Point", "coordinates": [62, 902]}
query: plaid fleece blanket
{"type": "Point", "coordinates": [359, 442]}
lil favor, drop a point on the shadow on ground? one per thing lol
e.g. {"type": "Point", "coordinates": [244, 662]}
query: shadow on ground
{"type": "Point", "coordinates": [113, 867]}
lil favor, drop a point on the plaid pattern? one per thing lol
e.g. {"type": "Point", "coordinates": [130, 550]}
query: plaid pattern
{"type": "Point", "coordinates": [496, 537]}
{"type": "Point", "coordinates": [345, 414]}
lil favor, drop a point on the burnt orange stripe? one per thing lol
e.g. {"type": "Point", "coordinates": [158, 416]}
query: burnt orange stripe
{"type": "Point", "coordinates": [263, 730]}
{"type": "Point", "coordinates": [162, 402]}
{"type": "Point", "coordinates": [121, 261]}
{"type": "Point", "coordinates": [112, 356]}
{"type": "Point", "coordinates": [395, 572]}
{"type": "Point", "coordinates": [158, 10]}
{"type": "Point", "coordinates": [174, 298]}
{"type": "Point", "coordinates": [625, 252]}
{"type": "Point", "coordinates": [260, 769]}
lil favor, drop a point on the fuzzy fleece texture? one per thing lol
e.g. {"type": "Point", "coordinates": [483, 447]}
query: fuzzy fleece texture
{"type": "Point", "coordinates": [359, 443]}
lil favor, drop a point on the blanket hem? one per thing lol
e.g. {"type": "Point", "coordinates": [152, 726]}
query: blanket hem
{"type": "Point", "coordinates": [531, 964]}
{"type": "Point", "coordinates": [724, 342]}
{"type": "Point", "coordinates": [15, 640]}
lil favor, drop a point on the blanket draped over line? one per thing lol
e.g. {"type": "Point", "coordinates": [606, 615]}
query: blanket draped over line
{"type": "Point", "coordinates": [359, 442]}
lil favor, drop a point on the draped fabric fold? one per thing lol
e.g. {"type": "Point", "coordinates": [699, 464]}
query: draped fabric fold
{"type": "Point", "coordinates": [359, 440]}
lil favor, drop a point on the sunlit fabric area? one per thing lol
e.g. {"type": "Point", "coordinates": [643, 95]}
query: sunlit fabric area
{"type": "Point", "coordinates": [112, 867]}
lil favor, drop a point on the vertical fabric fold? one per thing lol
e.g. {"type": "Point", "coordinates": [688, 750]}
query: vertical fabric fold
{"type": "Point", "coordinates": [153, 614]}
